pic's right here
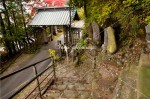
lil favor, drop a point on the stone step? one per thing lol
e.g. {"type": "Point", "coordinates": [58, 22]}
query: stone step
{"type": "Point", "coordinates": [85, 95]}
{"type": "Point", "coordinates": [70, 94]}
{"type": "Point", "coordinates": [66, 80]}
{"type": "Point", "coordinates": [58, 87]}
{"type": "Point", "coordinates": [76, 86]}
{"type": "Point", "coordinates": [67, 94]}
{"type": "Point", "coordinates": [52, 94]}
{"type": "Point", "coordinates": [69, 88]}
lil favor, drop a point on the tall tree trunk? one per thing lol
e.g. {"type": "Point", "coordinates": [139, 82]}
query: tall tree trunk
{"type": "Point", "coordinates": [84, 5]}
{"type": "Point", "coordinates": [7, 43]}
{"type": "Point", "coordinates": [15, 25]}
{"type": "Point", "coordinates": [9, 26]}
{"type": "Point", "coordinates": [24, 23]}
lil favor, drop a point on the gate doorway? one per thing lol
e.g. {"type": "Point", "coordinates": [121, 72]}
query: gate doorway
{"type": "Point", "coordinates": [75, 35]}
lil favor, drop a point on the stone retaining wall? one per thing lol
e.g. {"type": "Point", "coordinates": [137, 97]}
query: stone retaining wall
{"type": "Point", "coordinates": [148, 37]}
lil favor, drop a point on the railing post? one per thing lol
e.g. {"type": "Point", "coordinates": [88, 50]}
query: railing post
{"type": "Point", "coordinates": [94, 59]}
{"type": "Point", "coordinates": [94, 62]}
{"type": "Point", "coordinates": [38, 83]}
{"type": "Point", "coordinates": [53, 63]}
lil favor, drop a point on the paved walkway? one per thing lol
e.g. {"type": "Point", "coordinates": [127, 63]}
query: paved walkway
{"type": "Point", "coordinates": [144, 61]}
{"type": "Point", "coordinates": [144, 77]}
{"type": "Point", "coordinates": [9, 85]}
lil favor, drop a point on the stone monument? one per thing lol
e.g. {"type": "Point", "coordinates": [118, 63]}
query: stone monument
{"type": "Point", "coordinates": [96, 33]}
{"type": "Point", "coordinates": [89, 28]}
{"type": "Point", "coordinates": [104, 46]}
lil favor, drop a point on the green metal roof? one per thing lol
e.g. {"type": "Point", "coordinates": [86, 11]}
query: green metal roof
{"type": "Point", "coordinates": [53, 16]}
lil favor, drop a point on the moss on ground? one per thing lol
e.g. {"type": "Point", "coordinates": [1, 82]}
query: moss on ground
{"type": "Point", "coordinates": [144, 81]}
{"type": "Point", "coordinates": [58, 35]}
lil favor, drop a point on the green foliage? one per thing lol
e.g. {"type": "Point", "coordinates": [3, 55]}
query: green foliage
{"type": "Point", "coordinates": [82, 57]}
{"type": "Point", "coordinates": [77, 3]}
{"type": "Point", "coordinates": [135, 26]}
{"type": "Point", "coordinates": [147, 20]}
{"type": "Point", "coordinates": [82, 43]}
{"type": "Point", "coordinates": [13, 26]}
{"type": "Point", "coordinates": [105, 13]}
{"type": "Point", "coordinates": [53, 54]}
{"type": "Point", "coordinates": [145, 3]}
{"type": "Point", "coordinates": [94, 14]}
{"type": "Point", "coordinates": [128, 3]}
{"type": "Point", "coordinates": [129, 15]}
{"type": "Point", "coordinates": [127, 41]}
{"type": "Point", "coordinates": [81, 13]}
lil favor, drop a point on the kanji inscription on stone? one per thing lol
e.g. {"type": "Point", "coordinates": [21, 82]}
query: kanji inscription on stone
{"type": "Point", "coordinates": [96, 33]}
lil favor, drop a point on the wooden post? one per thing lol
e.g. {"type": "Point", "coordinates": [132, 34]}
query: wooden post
{"type": "Point", "coordinates": [38, 83]}
{"type": "Point", "coordinates": [59, 47]}
{"type": "Point", "coordinates": [149, 56]}
{"type": "Point", "coordinates": [65, 35]}
{"type": "Point", "coordinates": [50, 37]}
{"type": "Point", "coordinates": [94, 64]}
{"type": "Point", "coordinates": [53, 63]}
{"type": "Point", "coordinates": [66, 50]}
{"type": "Point", "coordinates": [94, 54]}
{"type": "Point", "coordinates": [51, 31]}
{"type": "Point", "coordinates": [70, 37]}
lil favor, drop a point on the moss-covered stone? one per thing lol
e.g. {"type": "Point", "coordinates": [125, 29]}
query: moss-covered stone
{"type": "Point", "coordinates": [111, 47]}
{"type": "Point", "coordinates": [144, 81]}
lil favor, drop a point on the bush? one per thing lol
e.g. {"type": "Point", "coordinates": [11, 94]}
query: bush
{"type": "Point", "coordinates": [147, 20]}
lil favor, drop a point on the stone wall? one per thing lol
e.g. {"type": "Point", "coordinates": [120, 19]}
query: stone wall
{"type": "Point", "coordinates": [148, 38]}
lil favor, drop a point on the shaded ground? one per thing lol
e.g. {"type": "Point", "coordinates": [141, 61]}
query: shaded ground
{"type": "Point", "coordinates": [24, 58]}
{"type": "Point", "coordinates": [9, 85]}
{"type": "Point", "coordinates": [17, 63]}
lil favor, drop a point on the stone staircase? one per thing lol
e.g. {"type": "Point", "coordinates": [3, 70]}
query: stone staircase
{"type": "Point", "coordinates": [71, 82]}
{"type": "Point", "coordinates": [68, 88]}
{"type": "Point", "coordinates": [74, 82]}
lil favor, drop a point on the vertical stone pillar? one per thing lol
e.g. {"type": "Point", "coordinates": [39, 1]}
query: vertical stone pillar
{"type": "Point", "coordinates": [50, 32]}
{"type": "Point", "coordinates": [55, 29]}
{"type": "Point", "coordinates": [89, 28]}
{"type": "Point", "coordinates": [148, 38]}
{"type": "Point", "coordinates": [45, 36]}
{"type": "Point", "coordinates": [96, 34]}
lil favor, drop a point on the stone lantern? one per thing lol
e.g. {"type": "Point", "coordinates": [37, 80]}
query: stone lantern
{"type": "Point", "coordinates": [148, 38]}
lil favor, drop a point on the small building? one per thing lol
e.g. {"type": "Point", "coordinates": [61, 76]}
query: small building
{"type": "Point", "coordinates": [56, 16]}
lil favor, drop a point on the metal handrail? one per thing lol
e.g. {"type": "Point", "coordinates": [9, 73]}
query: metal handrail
{"type": "Point", "coordinates": [44, 87]}
{"type": "Point", "coordinates": [40, 83]}
{"type": "Point", "coordinates": [17, 71]}
{"type": "Point", "coordinates": [33, 79]}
